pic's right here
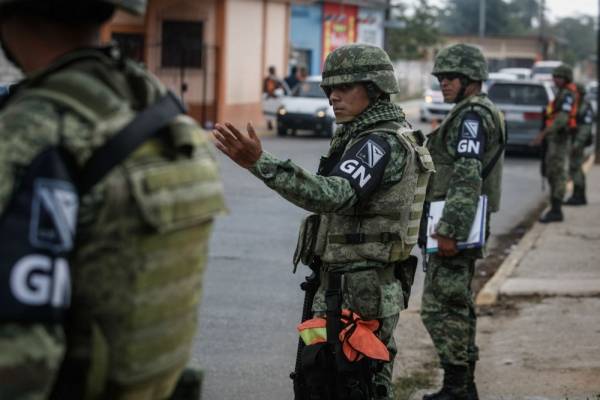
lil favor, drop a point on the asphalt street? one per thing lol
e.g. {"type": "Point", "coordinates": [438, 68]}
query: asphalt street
{"type": "Point", "coordinates": [252, 301]}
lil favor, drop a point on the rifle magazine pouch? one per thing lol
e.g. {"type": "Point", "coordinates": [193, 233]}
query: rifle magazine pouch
{"type": "Point", "coordinates": [307, 238]}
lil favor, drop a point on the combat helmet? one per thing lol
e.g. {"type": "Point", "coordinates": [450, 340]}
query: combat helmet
{"type": "Point", "coordinates": [563, 71]}
{"type": "Point", "coordinates": [462, 59]}
{"type": "Point", "coordinates": [360, 63]}
{"type": "Point", "coordinates": [137, 7]}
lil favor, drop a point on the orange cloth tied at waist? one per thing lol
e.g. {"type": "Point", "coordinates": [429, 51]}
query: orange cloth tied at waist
{"type": "Point", "coordinates": [357, 336]}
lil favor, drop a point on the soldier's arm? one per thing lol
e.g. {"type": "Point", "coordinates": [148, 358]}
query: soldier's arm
{"type": "Point", "coordinates": [468, 143]}
{"type": "Point", "coordinates": [371, 161]}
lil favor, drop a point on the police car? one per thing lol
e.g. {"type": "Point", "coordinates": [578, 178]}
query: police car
{"type": "Point", "coordinates": [307, 108]}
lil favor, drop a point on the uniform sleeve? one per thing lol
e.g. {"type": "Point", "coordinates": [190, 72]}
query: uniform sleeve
{"type": "Point", "coordinates": [467, 141]}
{"type": "Point", "coordinates": [25, 130]}
{"type": "Point", "coordinates": [370, 163]}
{"type": "Point", "coordinates": [315, 193]}
{"type": "Point", "coordinates": [561, 119]}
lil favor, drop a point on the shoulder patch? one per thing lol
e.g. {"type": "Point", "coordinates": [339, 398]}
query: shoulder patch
{"type": "Point", "coordinates": [471, 138]}
{"type": "Point", "coordinates": [567, 103]}
{"type": "Point", "coordinates": [363, 164]}
{"type": "Point", "coordinates": [370, 153]}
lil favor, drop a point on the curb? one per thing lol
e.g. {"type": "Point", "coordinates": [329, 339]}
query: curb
{"type": "Point", "coordinates": [488, 295]}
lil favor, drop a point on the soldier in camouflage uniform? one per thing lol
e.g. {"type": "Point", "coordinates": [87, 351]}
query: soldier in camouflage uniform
{"type": "Point", "coordinates": [467, 151]}
{"type": "Point", "coordinates": [142, 230]}
{"type": "Point", "coordinates": [561, 123]}
{"type": "Point", "coordinates": [582, 139]}
{"type": "Point", "coordinates": [367, 194]}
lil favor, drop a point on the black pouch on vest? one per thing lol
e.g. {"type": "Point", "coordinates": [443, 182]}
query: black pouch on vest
{"type": "Point", "coordinates": [37, 231]}
{"type": "Point", "coordinates": [405, 272]}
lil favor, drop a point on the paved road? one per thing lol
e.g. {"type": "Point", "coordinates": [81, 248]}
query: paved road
{"type": "Point", "coordinates": [252, 302]}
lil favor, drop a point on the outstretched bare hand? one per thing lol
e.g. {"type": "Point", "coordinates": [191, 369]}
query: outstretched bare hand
{"type": "Point", "coordinates": [244, 150]}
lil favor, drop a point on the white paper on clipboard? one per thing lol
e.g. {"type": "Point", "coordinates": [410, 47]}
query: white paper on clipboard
{"type": "Point", "coordinates": [476, 237]}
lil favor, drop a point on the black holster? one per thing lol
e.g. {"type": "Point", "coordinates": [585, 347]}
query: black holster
{"type": "Point", "coordinates": [405, 271]}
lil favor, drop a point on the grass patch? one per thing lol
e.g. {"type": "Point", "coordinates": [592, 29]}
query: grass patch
{"type": "Point", "coordinates": [405, 386]}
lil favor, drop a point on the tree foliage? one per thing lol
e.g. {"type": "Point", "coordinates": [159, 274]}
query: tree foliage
{"type": "Point", "coordinates": [577, 37]}
{"type": "Point", "coordinates": [418, 32]}
{"type": "Point", "coordinates": [502, 17]}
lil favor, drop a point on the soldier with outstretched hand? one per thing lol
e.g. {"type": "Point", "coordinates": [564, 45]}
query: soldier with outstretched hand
{"type": "Point", "coordinates": [560, 126]}
{"type": "Point", "coordinates": [367, 195]}
{"type": "Point", "coordinates": [467, 150]}
{"type": "Point", "coordinates": [107, 197]}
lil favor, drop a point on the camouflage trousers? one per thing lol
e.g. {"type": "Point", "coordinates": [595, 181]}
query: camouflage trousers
{"type": "Point", "coordinates": [557, 158]}
{"type": "Point", "coordinates": [576, 174]}
{"type": "Point", "coordinates": [448, 310]}
{"type": "Point", "coordinates": [30, 357]}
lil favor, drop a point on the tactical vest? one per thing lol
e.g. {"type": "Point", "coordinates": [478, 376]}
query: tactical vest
{"type": "Point", "coordinates": [385, 229]}
{"type": "Point", "coordinates": [444, 161]}
{"type": "Point", "coordinates": [554, 107]}
{"type": "Point", "coordinates": [142, 231]}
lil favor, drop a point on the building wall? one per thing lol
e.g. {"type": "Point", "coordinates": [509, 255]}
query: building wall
{"type": "Point", "coordinates": [255, 37]}
{"type": "Point", "coordinates": [275, 36]}
{"type": "Point", "coordinates": [306, 33]}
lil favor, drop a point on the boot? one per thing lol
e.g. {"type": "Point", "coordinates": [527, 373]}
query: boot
{"type": "Point", "coordinates": [471, 387]}
{"type": "Point", "coordinates": [455, 384]}
{"type": "Point", "coordinates": [189, 385]}
{"type": "Point", "coordinates": [578, 197]}
{"type": "Point", "coordinates": [554, 214]}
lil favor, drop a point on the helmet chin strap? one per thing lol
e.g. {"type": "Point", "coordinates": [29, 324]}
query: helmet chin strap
{"type": "Point", "coordinates": [8, 54]}
{"type": "Point", "coordinates": [464, 82]}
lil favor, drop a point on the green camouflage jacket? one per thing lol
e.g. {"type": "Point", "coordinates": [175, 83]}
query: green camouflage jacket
{"type": "Point", "coordinates": [465, 142]}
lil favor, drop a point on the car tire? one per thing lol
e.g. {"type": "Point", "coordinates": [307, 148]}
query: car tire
{"type": "Point", "coordinates": [422, 119]}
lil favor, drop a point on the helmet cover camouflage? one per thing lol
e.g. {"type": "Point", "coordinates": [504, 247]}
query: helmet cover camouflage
{"type": "Point", "coordinates": [137, 7]}
{"type": "Point", "coordinates": [563, 71]}
{"type": "Point", "coordinates": [462, 59]}
{"type": "Point", "coordinates": [360, 63]}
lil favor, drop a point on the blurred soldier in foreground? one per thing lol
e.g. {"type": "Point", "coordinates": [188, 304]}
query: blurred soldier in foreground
{"type": "Point", "coordinates": [467, 151]}
{"type": "Point", "coordinates": [561, 123]}
{"type": "Point", "coordinates": [99, 169]}
{"type": "Point", "coordinates": [367, 196]}
{"type": "Point", "coordinates": [582, 139]}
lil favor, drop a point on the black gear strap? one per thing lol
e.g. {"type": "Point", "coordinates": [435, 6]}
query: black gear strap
{"type": "Point", "coordinates": [147, 124]}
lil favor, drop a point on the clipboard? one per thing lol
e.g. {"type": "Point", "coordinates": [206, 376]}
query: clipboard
{"type": "Point", "coordinates": [476, 237]}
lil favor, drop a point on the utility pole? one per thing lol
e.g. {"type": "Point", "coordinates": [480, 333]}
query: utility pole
{"type": "Point", "coordinates": [481, 18]}
{"type": "Point", "coordinates": [543, 42]}
{"type": "Point", "coordinates": [598, 81]}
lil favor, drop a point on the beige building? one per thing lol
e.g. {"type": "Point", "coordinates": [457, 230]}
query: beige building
{"type": "Point", "coordinates": [214, 53]}
{"type": "Point", "coordinates": [507, 51]}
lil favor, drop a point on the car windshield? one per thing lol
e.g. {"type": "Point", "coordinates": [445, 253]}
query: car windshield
{"type": "Point", "coordinates": [527, 95]}
{"type": "Point", "coordinates": [308, 89]}
{"type": "Point", "coordinates": [543, 70]}
{"type": "Point", "coordinates": [435, 85]}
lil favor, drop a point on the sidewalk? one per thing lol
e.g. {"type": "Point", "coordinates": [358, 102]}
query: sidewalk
{"type": "Point", "coordinates": [539, 329]}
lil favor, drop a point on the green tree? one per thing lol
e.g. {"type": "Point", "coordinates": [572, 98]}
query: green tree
{"type": "Point", "coordinates": [417, 33]}
{"type": "Point", "coordinates": [578, 35]}
{"type": "Point", "coordinates": [461, 17]}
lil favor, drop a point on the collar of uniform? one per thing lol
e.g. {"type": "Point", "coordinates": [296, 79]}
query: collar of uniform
{"type": "Point", "coordinates": [380, 111]}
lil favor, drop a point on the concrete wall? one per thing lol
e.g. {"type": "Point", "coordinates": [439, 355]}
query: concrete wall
{"type": "Point", "coordinates": [255, 37]}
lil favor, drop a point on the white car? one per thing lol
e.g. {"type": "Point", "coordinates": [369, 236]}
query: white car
{"type": "Point", "coordinates": [520, 73]}
{"type": "Point", "coordinates": [307, 108]}
{"type": "Point", "coordinates": [542, 70]}
{"type": "Point", "coordinates": [433, 107]}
